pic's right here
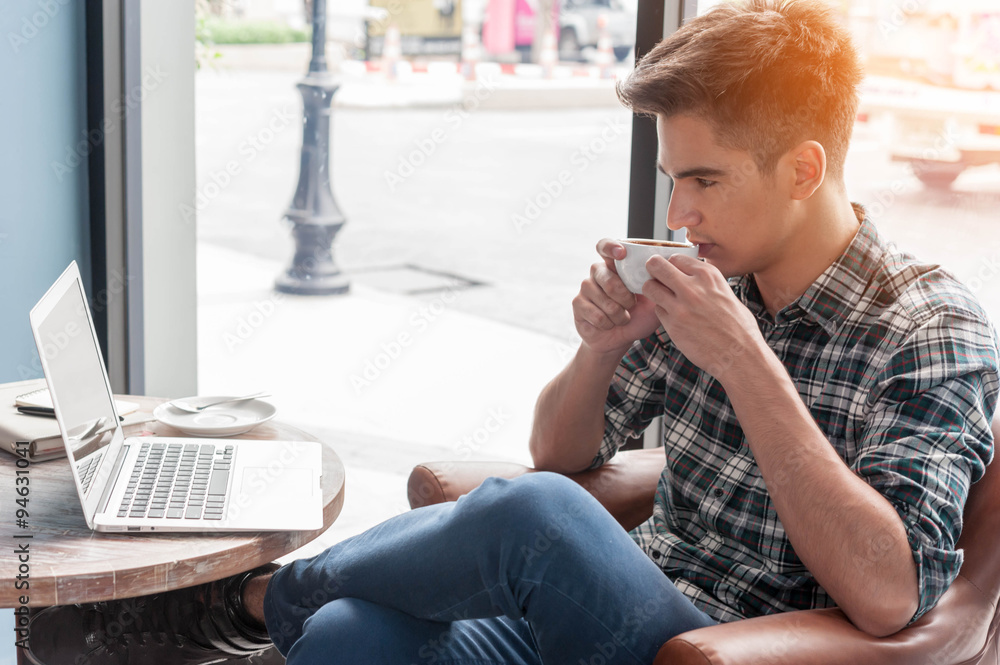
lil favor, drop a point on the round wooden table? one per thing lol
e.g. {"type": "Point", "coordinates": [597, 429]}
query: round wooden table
{"type": "Point", "coordinates": [69, 563]}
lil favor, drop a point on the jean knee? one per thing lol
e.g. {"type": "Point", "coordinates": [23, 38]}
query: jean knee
{"type": "Point", "coordinates": [334, 634]}
{"type": "Point", "coordinates": [532, 502]}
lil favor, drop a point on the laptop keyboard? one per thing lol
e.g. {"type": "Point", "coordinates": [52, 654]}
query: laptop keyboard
{"type": "Point", "coordinates": [179, 481]}
{"type": "Point", "coordinates": [86, 469]}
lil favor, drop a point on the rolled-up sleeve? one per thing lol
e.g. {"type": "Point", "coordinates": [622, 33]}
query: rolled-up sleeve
{"type": "Point", "coordinates": [927, 439]}
{"type": "Point", "coordinates": [635, 396]}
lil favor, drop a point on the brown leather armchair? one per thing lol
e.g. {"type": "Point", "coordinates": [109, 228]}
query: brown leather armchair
{"type": "Point", "coordinates": [960, 630]}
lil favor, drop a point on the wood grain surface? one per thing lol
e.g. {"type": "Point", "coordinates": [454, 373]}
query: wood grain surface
{"type": "Point", "coordinates": [69, 563]}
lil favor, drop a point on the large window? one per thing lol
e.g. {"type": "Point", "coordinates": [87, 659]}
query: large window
{"type": "Point", "coordinates": [924, 159]}
{"type": "Point", "coordinates": [475, 184]}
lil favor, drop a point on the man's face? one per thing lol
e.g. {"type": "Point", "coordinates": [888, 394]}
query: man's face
{"type": "Point", "coordinates": [737, 215]}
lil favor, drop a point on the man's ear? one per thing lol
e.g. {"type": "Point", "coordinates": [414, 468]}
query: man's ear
{"type": "Point", "coordinates": [808, 162]}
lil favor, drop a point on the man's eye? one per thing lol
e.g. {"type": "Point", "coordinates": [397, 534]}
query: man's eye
{"type": "Point", "coordinates": [705, 184]}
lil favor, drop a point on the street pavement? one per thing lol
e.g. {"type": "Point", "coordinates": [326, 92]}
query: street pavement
{"type": "Point", "coordinates": [469, 229]}
{"type": "Point", "coordinates": [468, 232]}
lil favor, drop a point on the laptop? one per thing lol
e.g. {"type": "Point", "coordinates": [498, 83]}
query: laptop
{"type": "Point", "coordinates": [161, 483]}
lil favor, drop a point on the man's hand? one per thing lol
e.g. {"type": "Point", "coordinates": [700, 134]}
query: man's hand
{"type": "Point", "coordinates": [608, 316]}
{"type": "Point", "coordinates": [700, 312]}
{"type": "Point", "coordinates": [569, 416]}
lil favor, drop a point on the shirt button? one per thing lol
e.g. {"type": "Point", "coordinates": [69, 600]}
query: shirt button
{"type": "Point", "coordinates": [718, 491]}
{"type": "Point", "coordinates": [656, 554]}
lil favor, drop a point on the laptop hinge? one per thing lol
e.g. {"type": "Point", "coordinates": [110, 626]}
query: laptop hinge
{"type": "Point", "coordinates": [112, 479]}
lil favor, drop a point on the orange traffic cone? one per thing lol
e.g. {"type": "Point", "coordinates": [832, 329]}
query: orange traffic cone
{"type": "Point", "coordinates": [549, 55]}
{"type": "Point", "coordinates": [605, 53]}
{"type": "Point", "coordinates": [471, 49]}
{"type": "Point", "coordinates": [392, 51]}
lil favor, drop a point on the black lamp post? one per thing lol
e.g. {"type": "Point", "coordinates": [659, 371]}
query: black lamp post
{"type": "Point", "coordinates": [314, 213]}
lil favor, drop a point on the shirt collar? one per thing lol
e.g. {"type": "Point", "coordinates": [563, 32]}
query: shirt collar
{"type": "Point", "coordinates": [836, 292]}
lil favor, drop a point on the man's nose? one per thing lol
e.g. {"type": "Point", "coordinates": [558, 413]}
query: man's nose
{"type": "Point", "coordinates": [680, 215]}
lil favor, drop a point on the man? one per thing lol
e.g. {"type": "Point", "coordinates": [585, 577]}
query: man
{"type": "Point", "coordinates": [826, 403]}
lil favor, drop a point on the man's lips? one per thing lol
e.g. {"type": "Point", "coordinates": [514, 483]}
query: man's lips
{"type": "Point", "coordinates": [703, 247]}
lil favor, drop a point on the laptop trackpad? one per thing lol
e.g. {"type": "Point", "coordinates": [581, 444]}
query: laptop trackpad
{"type": "Point", "coordinates": [261, 486]}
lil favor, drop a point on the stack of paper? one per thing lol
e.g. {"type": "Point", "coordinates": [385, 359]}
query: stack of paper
{"type": "Point", "coordinates": [42, 434]}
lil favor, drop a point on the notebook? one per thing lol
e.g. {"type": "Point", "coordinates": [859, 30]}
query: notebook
{"type": "Point", "coordinates": [41, 433]}
{"type": "Point", "coordinates": [42, 398]}
{"type": "Point", "coordinates": [161, 483]}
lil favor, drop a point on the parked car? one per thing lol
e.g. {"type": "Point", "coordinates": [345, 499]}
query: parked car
{"type": "Point", "coordinates": [579, 29]}
{"type": "Point", "coordinates": [938, 98]}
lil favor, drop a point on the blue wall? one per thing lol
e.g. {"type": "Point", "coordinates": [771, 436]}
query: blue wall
{"type": "Point", "coordinates": [43, 164]}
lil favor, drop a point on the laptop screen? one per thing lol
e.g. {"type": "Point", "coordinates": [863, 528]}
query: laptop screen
{"type": "Point", "coordinates": [77, 381]}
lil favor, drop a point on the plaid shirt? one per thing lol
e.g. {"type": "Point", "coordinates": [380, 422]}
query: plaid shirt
{"type": "Point", "coordinates": [898, 365]}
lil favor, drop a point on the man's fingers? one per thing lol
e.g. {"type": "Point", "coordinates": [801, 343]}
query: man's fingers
{"type": "Point", "coordinates": [670, 278]}
{"type": "Point", "coordinates": [687, 277]}
{"type": "Point", "coordinates": [688, 265]}
{"type": "Point", "coordinates": [615, 311]}
{"type": "Point", "coordinates": [609, 248]}
{"type": "Point", "coordinates": [586, 311]}
{"type": "Point", "coordinates": [611, 284]}
{"type": "Point", "coordinates": [656, 291]}
{"type": "Point", "coordinates": [663, 269]}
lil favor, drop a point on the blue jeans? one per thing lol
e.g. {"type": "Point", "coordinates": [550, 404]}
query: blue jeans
{"type": "Point", "coordinates": [526, 571]}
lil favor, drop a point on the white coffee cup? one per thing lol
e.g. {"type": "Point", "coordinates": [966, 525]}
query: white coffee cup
{"type": "Point", "coordinates": [632, 269]}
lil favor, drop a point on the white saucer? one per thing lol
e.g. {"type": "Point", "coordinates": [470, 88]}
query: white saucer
{"type": "Point", "coordinates": [221, 420]}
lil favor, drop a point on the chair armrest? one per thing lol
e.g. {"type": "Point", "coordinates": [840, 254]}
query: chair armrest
{"type": "Point", "coordinates": [955, 631]}
{"type": "Point", "coordinates": [625, 486]}
{"type": "Point", "coordinates": [437, 482]}
{"type": "Point", "coordinates": [803, 638]}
